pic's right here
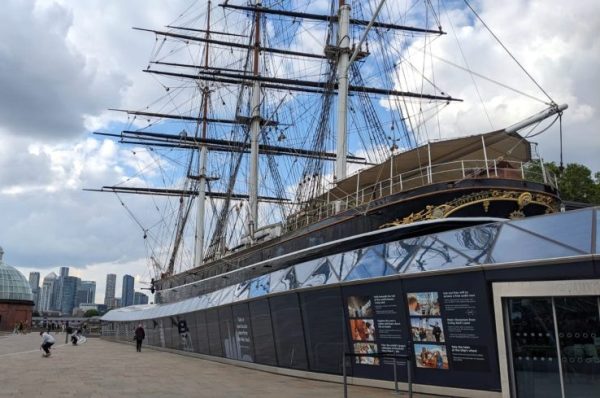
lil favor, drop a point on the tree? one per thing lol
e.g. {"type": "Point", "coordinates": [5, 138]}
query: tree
{"type": "Point", "coordinates": [575, 182]}
{"type": "Point", "coordinates": [91, 313]}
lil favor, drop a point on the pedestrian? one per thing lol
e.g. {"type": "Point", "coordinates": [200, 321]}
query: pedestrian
{"type": "Point", "coordinates": [47, 342]}
{"type": "Point", "coordinates": [139, 336]}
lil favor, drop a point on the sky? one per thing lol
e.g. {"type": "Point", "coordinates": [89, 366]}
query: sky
{"type": "Point", "coordinates": [63, 63]}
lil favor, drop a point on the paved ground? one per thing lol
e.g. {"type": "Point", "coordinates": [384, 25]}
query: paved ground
{"type": "Point", "coordinates": [100, 368]}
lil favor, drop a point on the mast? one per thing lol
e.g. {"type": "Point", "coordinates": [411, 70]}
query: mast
{"type": "Point", "coordinates": [254, 130]}
{"type": "Point", "coordinates": [201, 208]}
{"type": "Point", "coordinates": [343, 44]}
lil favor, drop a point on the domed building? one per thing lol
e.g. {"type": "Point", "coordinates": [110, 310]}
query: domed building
{"type": "Point", "coordinates": [16, 299]}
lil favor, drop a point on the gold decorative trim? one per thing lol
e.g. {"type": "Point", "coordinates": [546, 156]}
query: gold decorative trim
{"type": "Point", "coordinates": [523, 199]}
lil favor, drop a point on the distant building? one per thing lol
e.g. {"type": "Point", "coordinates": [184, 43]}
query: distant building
{"type": "Point", "coordinates": [68, 294]}
{"type": "Point", "coordinates": [64, 272]}
{"type": "Point", "coordinates": [48, 296]}
{"type": "Point", "coordinates": [34, 283]}
{"type": "Point", "coordinates": [140, 298]}
{"type": "Point", "coordinates": [109, 295]}
{"type": "Point", "coordinates": [127, 291]}
{"type": "Point", "coordinates": [117, 301]}
{"type": "Point", "coordinates": [16, 300]}
{"type": "Point", "coordinates": [86, 293]}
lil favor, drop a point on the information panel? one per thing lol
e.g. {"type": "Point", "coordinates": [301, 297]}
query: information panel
{"type": "Point", "coordinates": [451, 330]}
{"type": "Point", "coordinates": [243, 333]}
{"type": "Point", "coordinates": [376, 325]}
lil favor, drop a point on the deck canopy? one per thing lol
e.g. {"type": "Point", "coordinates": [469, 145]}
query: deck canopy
{"type": "Point", "coordinates": [445, 155]}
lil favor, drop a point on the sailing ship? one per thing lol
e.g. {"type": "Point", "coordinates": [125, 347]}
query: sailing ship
{"type": "Point", "coordinates": [295, 130]}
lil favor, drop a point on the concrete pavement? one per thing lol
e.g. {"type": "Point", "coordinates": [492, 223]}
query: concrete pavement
{"type": "Point", "coordinates": [100, 368]}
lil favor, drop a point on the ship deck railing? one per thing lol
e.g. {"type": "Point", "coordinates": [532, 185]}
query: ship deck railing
{"type": "Point", "coordinates": [449, 172]}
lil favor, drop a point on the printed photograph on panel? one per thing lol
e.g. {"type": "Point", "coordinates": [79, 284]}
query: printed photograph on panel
{"type": "Point", "coordinates": [362, 329]}
{"type": "Point", "coordinates": [360, 307]}
{"type": "Point", "coordinates": [431, 356]}
{"type": "Point", "coordinates": [366, 349]}
{"type": "Point", "coordinates": [427, 329]}
{"type": "Point", "coordinates": [423, 304]}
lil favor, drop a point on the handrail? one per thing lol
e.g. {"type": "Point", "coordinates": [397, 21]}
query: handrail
{"type": "Point", "coordinates": [394, 357]}
{"type": "Point", "coordinates": [436, 173]}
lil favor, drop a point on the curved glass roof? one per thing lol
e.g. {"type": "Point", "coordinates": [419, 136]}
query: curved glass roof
{"type": "Point", "coordinates": [13, 285]}
{"type": "Point", "coordinates": [532, 239]}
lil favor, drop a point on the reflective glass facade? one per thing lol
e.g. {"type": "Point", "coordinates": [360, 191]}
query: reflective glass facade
{"type": "Point", "coordinates": [545, 237]}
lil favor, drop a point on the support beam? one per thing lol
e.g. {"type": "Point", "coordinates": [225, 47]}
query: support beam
{"type": "Point", "coordinates": [232, 44]}
{"type": "Point", "coordinates": [296, 85]}
{"type": "Point", "coordinates": [183, 192]}
{"type": "Point", "coordinates": [330, 18]}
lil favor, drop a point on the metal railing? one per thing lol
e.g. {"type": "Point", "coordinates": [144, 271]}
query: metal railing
{"type": "Point", "coordinates": [405, 357]}
{"type": "Point", "coordinates": [455, 171]}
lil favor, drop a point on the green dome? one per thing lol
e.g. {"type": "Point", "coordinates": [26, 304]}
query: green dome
{"type": "Point", "coordinates": [13, 285]}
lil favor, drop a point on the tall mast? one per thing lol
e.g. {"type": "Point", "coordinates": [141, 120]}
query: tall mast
{"type": "Point", "coordinates": [343, 44]}
{"type": "Point", "coordinates": [201, 208]}
{"type": "Point", "coordinates": [254, 130]}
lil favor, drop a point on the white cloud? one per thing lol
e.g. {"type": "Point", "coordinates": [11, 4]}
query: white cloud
{"type": "Point", "coordinates": [64, 62]}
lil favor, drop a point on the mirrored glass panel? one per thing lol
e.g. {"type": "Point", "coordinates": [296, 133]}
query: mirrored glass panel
{"type": "Point", "coordinates": [572, 228]}
{"type": "Point", "coordinates": [436, 255]}
{"type": "Point", "coordinates": [398, 254]}
{"type": "Point", "coordinates": [474, 242]}
{"type": "Point", "coordinates": [260, 286]}
{"type": "Point", "coordinates": [516, 245]}
{"type": "Point", "coordinates": [371, 264]}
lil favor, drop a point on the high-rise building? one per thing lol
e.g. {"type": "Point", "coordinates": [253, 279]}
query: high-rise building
{"type": "Point", "coordinates": [34, 283]}
{"type": "Point", "coordinates": [48, 297]}
{"type": "Point", "coordinates": [140, 298]}
{"type": "Point", "coordinates": [127, 291]}
{"type": "Point", "coordinates": [86, 293]}
{"type": "Point", "coordinates": [64, 272]}
{"type": "Point", "coordinates": [109, 294]}
{"type": "Point", "coordinates": [68, 294]}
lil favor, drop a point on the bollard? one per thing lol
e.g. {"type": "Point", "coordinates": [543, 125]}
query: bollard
{"type": "Point", "coordinates": [408, 368]}
{"type": "Point", "coordinates": [344, 375]}
{"type": "Point", "coordinates": [396, 391]}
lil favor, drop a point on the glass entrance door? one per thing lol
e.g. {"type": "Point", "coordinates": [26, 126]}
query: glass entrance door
{"type": "Point", "coordinates": [554, 346]}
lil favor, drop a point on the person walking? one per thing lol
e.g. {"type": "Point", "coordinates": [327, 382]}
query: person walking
{"type": "Point", "coordinates": [47, 342]}
{"type": "Point", "coordinates": [139, 336]}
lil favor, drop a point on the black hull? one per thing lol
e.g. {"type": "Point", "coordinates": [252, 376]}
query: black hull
{"type": "Point", "coordinates": [485, 197]}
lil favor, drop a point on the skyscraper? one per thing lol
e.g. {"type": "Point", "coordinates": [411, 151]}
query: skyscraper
{"type": "Point", "coordinates": [48, 297]}
{"type": "Point", "coordinates": [34, 283]}
{"type": "Point", "coordinates": [68, 294]}
{"type": "Point", "coordinates": [140, 298]}
{"type": "Point", "coordinates": [109, 294]}
{"type": "Point", "coordinates": [64, 272]}
{"type": "Point", "coordinates": [86, 293]}
{"type": "Point", "coordinates": [127, 292]}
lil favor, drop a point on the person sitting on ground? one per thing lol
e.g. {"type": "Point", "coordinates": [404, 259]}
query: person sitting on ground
{"type": "Point", "coordinates": [47, 342]}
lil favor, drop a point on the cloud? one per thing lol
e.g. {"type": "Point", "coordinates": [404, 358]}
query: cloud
{"type": "Point", "coordinates": [553, 41]}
